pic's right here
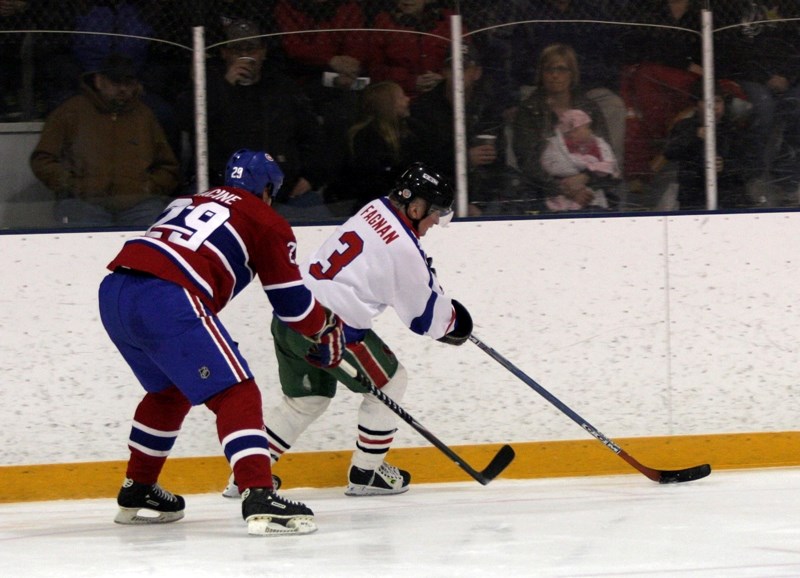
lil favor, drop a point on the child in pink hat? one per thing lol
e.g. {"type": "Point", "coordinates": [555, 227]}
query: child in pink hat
{"type": "Point", "coordinates": [575, 149]}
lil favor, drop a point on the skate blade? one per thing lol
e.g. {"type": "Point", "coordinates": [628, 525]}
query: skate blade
{"type": "Point", "coordinates": [132, 516]}
{"type": "Point", "coordinates": [357, 491]}
{"type": "Point", "coordinates": [273, 526]}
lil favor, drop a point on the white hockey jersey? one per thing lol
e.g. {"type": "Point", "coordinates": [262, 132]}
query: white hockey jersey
{"type": "Point", "coordinates": [373, 261]}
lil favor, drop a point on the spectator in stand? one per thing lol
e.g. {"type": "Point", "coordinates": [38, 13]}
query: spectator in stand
{"type": "Point", "coordinates": [380, 145]}
{"type": "Point", "coordinates": [598, 60]}
{"type": "Point", "coordinates": [104, 154]}
{"type": "Point", "coordinates": [762, 54]}
{"type": "Point", "coordinates": [662, 61]}
{"type": "Point", "coordinates": [557, 90]}
{"type": "Point", "coordinates": [219, 14]}
{"type": "Point", "coordinates": [115, 27]}
{"type": "Point", "coordinates": [330, 67]}
{"type": "Point", "coordinates": [495, 44]}
{"type": "Point", "coordinates": [310, 55]}
{"type": "Point", "coordinates": [493, 186]}
{"type": "Point", "coordinates": [575, 149]}
{"type": "Point", "coordinates": [686, 145]}
{"type": "Point", "coordinates": [256, 107]}
{"type": "Point", "coordinates": [414, 61]}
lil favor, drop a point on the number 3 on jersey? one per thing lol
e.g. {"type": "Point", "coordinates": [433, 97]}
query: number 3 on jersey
{"type": "Point", "coordinates": [352, 245]}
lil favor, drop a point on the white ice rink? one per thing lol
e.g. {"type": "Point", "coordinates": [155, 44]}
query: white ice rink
{"type": "Point", "coordinates": [731, 524]}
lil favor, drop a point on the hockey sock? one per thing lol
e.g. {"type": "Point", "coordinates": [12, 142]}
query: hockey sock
{"type": "Point", "coordinates": [289, 419]}
{"type": "Point", "coordinates": [240, 427]}
{"type": "Point", "coordinates": [376, 424]}
{"type": "Point", "coordinates": [155, 428]}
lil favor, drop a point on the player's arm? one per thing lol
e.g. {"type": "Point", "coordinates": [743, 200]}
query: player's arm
{"type": "Point", "coordinates": [295, 305]}
{"type": "Point", "coordinates": [422, 304]}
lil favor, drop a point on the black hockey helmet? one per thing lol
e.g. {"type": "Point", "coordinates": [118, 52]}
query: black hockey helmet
{"type": "Point", "coordinates": [419, 180]}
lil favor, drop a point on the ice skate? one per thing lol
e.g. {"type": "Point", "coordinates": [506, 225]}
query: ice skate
{"type": "Point", "coordinates": [147, 504]}
{"type": "Point", "coordinates": [386, 480]}
{"type": "Point", "coordinates": [268, 514]}
{"type": "Point", "coordinates": [232, 490]}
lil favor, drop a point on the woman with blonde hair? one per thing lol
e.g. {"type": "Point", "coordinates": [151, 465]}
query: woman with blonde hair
{"type": "Point", "coordinates": [557, 90]}
{"type": "Point", "coordinates": [381, 143]}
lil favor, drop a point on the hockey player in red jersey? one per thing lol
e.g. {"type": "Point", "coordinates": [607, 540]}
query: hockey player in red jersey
{"type": "Point", "coordinates": [371, 262]}
{"type": "Point", "coordinates": [159, 306]}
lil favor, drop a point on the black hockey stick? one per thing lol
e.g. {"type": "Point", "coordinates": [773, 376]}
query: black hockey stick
{"type": "Point", "coordinates": [499, 462]}
{"type": "Point", "coordinates": [660, 476]}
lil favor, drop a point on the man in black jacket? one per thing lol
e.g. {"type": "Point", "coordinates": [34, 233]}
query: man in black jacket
{"type": "Point", "coordinates": [255, 107]}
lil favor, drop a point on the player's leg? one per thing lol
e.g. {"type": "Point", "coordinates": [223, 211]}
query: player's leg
{"type": "Point", "coordinates": [307, 392]}
{"type": "Point", "coordinates": [215, 373]}
{"type": "Point", "coordinates": [195, 352]}
{"type": "Point", "coordinates": [157, 419]}
{"type": "Point", "coordinates": [369, 473]}
{"type": "Point", "coordinates": [244, 441]}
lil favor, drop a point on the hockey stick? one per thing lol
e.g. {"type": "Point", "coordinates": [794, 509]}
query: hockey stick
{"type": "Point", "coordinates": [490, 472]}
{"type": "Point", "coordinates": [660, 476]}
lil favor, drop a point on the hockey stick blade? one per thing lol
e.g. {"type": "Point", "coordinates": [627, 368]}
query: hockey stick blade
{"type": "Point", "coordinates": [685, 475]}
{"type": "Point", "coordinates": [499, 462]}
{"type": "Point", "coordinates": [660, 476]}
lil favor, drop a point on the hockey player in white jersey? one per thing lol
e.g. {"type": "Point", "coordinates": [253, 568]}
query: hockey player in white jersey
{"type": "Point", "coordinates": [373, 261]}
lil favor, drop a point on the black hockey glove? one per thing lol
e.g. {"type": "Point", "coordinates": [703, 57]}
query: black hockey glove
{"type": "Point", "coordinates": [462, 328]}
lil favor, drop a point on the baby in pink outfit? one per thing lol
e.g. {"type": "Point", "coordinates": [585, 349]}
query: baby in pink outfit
{"type": "Point", "coordinates": [575, 149]}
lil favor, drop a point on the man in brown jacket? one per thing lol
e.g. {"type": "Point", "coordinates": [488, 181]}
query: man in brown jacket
{"type": "Point", "coordinates": [104, 154]}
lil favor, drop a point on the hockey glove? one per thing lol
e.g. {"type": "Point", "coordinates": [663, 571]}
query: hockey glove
{"type": "Point", "coordinates": [462, 328]}
{"type": "Point", "coordinates": [328, 344]}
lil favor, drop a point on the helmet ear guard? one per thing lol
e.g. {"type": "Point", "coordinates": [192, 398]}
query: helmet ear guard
{"type": "Point", "coordinates": [254, 171]}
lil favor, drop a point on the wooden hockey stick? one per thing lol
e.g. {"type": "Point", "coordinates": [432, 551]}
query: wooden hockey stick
{"type": "Point", "coordinates": [499, 462]}
{"type": "Point", "coordinates": [660, 476]}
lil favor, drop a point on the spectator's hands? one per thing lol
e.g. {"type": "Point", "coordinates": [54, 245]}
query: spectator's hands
{"type": "Point", "coordinates": [240, 71]}
{"type": "Point", "coordinates": [345, 65]}
{"type": "Point", "coordinates": [720, 164]}
{"type": "Point", "coordinates": [344, 81]}
{"type": "Point", "coordinates": [329, 343]}
{"type": "Point", "coordinates": [575, 188]}
{"type": "Point", "coordinates": [480, 155]}
{"type": "Point", "coordinates": [301, 187]}
{"type": "Point", "coordinates": [696, 68]}
{"type": "Point", "coordinates": [778, 84]}
{"type": "Point", "coordinates": [473, 210]}
{"type": "Point", "coordinates": [427, 81]}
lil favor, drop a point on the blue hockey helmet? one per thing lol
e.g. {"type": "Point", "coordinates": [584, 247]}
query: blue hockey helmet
{"type": "Point", "coordinates": [254, 171]}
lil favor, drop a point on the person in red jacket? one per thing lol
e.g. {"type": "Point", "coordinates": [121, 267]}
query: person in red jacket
{"type": "Point", "coordinates": [412, 58]}
{"type": "Point", "coordinates": [311, 54]}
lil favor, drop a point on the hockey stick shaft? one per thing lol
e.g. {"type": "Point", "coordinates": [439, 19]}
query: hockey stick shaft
{"type": "Point", "coordinates": [661, 476]}
{"type": "Point", "coordinates": [500, 461]}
